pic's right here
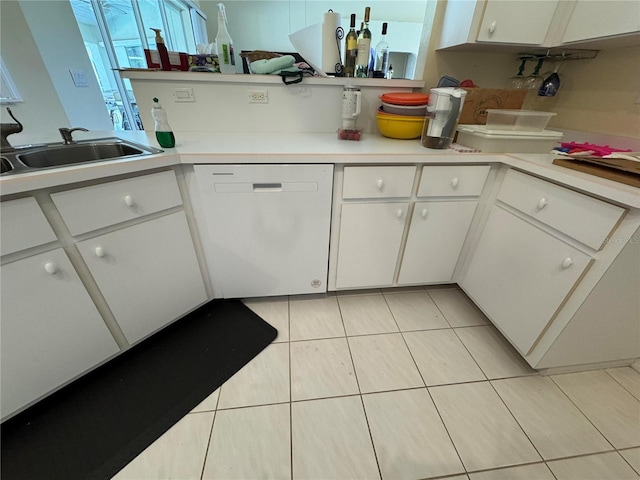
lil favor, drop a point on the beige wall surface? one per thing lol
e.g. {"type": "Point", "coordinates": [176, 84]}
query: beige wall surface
{"type": "Point", "coordinates": [595, 95]}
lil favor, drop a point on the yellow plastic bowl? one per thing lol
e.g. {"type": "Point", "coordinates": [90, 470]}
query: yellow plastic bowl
{"type": "Point", "coordinates": [403, 127]}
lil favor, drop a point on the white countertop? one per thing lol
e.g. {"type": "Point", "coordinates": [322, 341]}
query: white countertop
{"type": "Point", "coordinates": [292, 148]}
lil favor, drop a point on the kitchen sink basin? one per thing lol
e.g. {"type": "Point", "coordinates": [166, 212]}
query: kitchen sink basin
{"type": "Point", "coordinates": [23, 159]}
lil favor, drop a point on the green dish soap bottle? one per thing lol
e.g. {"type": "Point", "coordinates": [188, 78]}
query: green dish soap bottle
{"type": "Point", "coordinates": [164, 134]}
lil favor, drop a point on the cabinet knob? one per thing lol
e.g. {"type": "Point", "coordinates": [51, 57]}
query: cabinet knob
{"type": "Point", "coordinates": [399, 213]}
{"type": "Point", "coordinates": [454, 182]}
{"type": "Point", "coordinates": [542, 203]}
{"type": "Point", "coordinates": [100, 253]}
{"type": "Point", "coordinates": [380, 184]}
{"type": "Point", "coordinates": [567, 262]}
{"type": "Point", "coordinates": [424, 212]}
{"type": "Point", "coordinates": [128, 200]}
{"type": "Point", "coordinates": [51, 268]}
{"type": "Point", "coordinates": [492, 27]}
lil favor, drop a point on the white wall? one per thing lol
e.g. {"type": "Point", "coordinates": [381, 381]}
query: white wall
{"type": "Point", "coordinates": [225, 107]}
{"type": "Point", "coordinates": [41, 110]}
{"type": "Point", "coordinates": [41, 41]}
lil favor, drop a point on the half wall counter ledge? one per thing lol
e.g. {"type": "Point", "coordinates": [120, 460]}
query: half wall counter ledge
{"type": "Point", "coordinates": [251, 103]}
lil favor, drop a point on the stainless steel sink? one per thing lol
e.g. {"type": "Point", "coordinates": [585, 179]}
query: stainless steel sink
{"type": "Point", "coordinates": [31, 158]}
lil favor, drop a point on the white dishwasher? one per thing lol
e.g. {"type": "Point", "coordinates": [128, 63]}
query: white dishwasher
{"type": "Point", "coordinates": [268, 227]}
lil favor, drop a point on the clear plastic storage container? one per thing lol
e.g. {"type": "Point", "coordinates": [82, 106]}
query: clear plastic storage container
{"type": "Point", "coordinates": [520, 120]}
{"type": "Point", "coordinates": [496, 141]}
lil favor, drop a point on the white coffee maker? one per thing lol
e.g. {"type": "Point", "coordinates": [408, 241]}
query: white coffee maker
{"type": "Point", "coordinates": [443, 112]}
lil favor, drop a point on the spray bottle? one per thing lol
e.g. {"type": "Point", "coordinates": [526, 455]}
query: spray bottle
{"type": "Point", "coordinates": [226, 57]}
{"type": "Point", "coordinates": [164, 134]}
{"type": "Point", "coordinates": [165, 64]}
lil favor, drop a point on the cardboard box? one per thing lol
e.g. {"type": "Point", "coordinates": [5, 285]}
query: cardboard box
{"type": "Point", "coordinates": [178, 60]}
{"type": "Point", "coordinates": [479, 100]}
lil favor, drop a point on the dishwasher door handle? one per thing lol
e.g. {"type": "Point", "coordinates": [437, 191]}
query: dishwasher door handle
{"type": "Point", "coordinates": [267, 187]}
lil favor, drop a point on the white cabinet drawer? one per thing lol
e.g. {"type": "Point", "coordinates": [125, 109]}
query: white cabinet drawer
{"type": "Point", "coordinates": [452, 180]}
{"type": "Point", "coordinates": [584, 218]}
{"type": "Point", "coordinates": [89, 208]}
{"type": "Point", "coordinates": [378, 182]}
{"type": "Point", "coordinates": [23, 225]}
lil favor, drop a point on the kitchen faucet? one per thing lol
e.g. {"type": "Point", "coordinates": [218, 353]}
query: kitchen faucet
{"type": "Point", "coordinates": [67, 134]}
{"type": "Point", "coordinates": [7, 129]}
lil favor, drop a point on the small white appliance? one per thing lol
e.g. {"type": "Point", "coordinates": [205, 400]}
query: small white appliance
{"type": "Point", "coordinates": [351, 105]}
{"type": "Point", "coordinates": [444, 108]}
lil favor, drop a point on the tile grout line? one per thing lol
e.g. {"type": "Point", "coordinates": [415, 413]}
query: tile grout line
{"type": "Point", "coordinates": [580, 410]}
{"type": "Point", "coordinates": [364, 411]}
{"type": "Point", "coordinates": [290, 389]}
{"type": "Point", "coordinates": [620, 383]}
{"type": "Point", "coordinates": [206, 452]}
{"type": "Point", "coordinates": [425, 383]}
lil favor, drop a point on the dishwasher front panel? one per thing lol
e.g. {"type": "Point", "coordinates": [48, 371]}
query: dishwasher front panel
{"type": "Point", "coordinates": [268, 227]}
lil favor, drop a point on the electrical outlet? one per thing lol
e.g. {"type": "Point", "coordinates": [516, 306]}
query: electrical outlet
{"type": "Point", "coordinates": [258, 96]}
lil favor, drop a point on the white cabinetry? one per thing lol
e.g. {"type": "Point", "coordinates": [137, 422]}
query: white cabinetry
{"type": "Point", "coordinates": [591, 20]}
{"type": "Point", "coordinates": [370, 239]}
{"type": "Point", "coordinates": [537, 243]}
{"type": "Point", "coordinates": [50, 329]}
{"type": "Point", "coordinates": [438, 230]}
{"type": "Point", "coordinates": [375, 245]}
{"type": "Point", "coordinates": [520, 275]}
{"type": "Point", "coordinates": [439, 226]}
{"type": "Point", "coordinates": [515, 22]}
{"type": "Point", "coordinates": [148, 273]}
{"type": "Point", "coordinates": [371, 230]}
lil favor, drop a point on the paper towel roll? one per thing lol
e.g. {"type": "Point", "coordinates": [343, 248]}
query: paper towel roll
{"type": "Point", "coordinates": [330, 53]}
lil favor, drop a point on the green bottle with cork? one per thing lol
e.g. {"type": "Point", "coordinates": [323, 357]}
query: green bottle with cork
{"type": "Point", "coordinates": [164, 134]}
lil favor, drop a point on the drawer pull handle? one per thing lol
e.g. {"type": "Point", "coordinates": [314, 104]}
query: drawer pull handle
{"type": "Point", "coordinates": [399, 213]}
{"type": "Point", "coordinates": [128, 200]}
{"type": "Point", "coordinates": [542, 203]}
{"type": "Point", "coordinates": [567, 262]}
{"type": "Point", "coordinates": [100, 253]}
{"type": "Point", "coordinates": [424, 213]}
{"type": "Point", "coordinates": [380, 184]}
{"type": "Point", "coordinates": [51, 268]}
{"type": "Point", "coordinates": [492, 27]}
{"type": "Point", "coordinates": [454, 182]}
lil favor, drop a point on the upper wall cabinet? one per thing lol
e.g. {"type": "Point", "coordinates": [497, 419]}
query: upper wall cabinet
{"type": "Point", "coordinates": [512, 22]}
{"type": "Point", "coordinates": [541, 23]}
{"type": "Point", "coordinates": [590, 20]}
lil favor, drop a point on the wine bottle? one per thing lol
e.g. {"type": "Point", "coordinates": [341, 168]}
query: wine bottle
{"type": "Point", "coordinates": [351, 49]}
{"type": "Point", "coordinates": [381, 65]}
{"type": "Point", "coordinates": [364, 47]}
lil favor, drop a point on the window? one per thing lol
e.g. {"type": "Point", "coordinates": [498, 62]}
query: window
{"type": "Point", "coordinates": [8, 91]}
{"type": "Point", "coordinates": [116, 32]}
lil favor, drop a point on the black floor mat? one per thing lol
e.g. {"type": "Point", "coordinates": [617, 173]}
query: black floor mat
{"type": "Point", "coordinates": [96, 425]}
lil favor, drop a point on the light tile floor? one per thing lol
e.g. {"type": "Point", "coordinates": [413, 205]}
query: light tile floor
{"type": "Point", "coordinates": [409, 383]}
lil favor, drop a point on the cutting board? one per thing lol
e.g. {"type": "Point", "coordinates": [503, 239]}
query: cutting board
{"type": "Point", "coordinates": [618, 170]}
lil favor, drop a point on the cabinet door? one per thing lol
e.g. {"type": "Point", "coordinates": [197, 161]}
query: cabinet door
{"type": "Point", "coordinates": [590, 20]}
{"type": "Point", "coordinates": [370, 237]}
{"type": "Point", "coordinates": [519, 276]}
{"type": "Point", "coordinates": [516, 21]}
{"type": "Point", "coordinates": [50, 329]}
{"type": "Point", "coordinates": [23, 225]}
{"type": "Point", "coordinates": [148, 273]}
{"type": "Point", "coordinates": [436, 235]}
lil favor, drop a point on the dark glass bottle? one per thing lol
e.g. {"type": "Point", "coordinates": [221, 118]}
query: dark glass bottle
{"type": "Point", "coordinates": [351, 49]}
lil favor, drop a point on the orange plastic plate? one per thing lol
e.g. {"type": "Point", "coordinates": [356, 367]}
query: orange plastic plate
{"type": "Point", "coordinates": [405, 98]}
